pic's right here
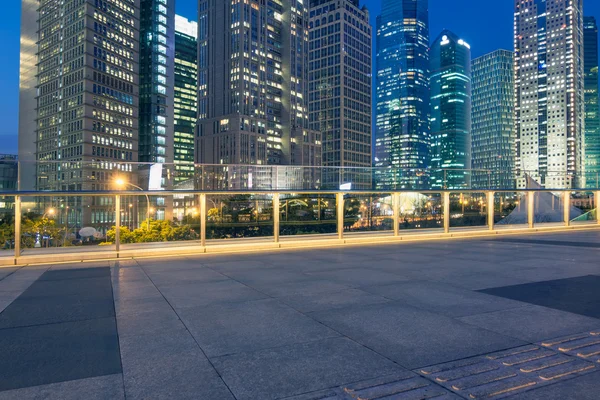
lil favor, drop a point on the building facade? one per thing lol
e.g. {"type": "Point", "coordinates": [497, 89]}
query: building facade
{"type": "Point", "coordinates": [402, 104]}
{"type": "Point", "coordinates": [185, 102]}
{"type": "Point", "coordinates": [9, 168]}
{"type": "Point", "coordinates": [450, 112]}
{"type": "Point", "coordinates": [592, 110]}
{"type": "Point", "coordinates": [79, 84]}
{"type": "Point", "coordinates": [493, 134]}
{"type": "Point", "coordinates": [340, 89]}
{"type": "Point", "coordinates": [253, 84]}
{"type": "Point", "coordinates": [157, 55]}
{"type": "Point", "coordinates": [549, 92]}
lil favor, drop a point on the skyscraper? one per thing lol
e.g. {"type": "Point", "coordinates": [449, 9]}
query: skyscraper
{"type": "Point", "coordinates": [79, 83]}
{"type": "Point", "coordinates": [186, 88]}
{"type": "Point", "coordinates": [402, 131]}
{"type": "Point", "coordinates": [450, 111]}
{"type": "Point", "coordinates": [340, 89]}
{"type": "Point", "coordinates": [253, 84]}
{"type": "Point", "coordinates": [549, 102]}
{"type": "Point", "coordinates": [493, 134]}
{"type": "Point", "coordinates": [157, 54]}
{"type": "Point", "coordinates": [592, 111]}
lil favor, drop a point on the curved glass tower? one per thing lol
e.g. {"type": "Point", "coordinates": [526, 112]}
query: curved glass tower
{"type": "Point", "coordinates": [402, 131]}
{"type": "Point", "coordinates": [451, 112]}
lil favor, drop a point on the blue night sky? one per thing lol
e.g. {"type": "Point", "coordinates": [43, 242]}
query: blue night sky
{"type": "Point", "coordinates": [487, 25]}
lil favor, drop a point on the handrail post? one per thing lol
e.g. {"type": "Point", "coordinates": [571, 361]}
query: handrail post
{"type": "Point", "coordinates": [203, 219]}
{"type": "Point", "coordinates": [598, 206]}
{"type": "Point", "coordinates": [490, 210]}
{"type": "Point", "coordinates": [396, 211]}
{"type": "Point", "coordinates": [530, 209]}
{"type": "Point", "coordinates": [567, 207]}
{"type": "Point", "coordinates": [118, 223]}
{"type": "Point", "coordinates": [276, 217]}
{"type": "Point", "coordinates": [446, 212]}
{"type": "Point", "coordinates": [339, 202]}
{"type": "Point", "coordinates": [17, 226]}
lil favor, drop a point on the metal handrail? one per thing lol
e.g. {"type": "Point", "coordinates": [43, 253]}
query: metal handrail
{"type": "Point", "coordinates": [487, 202]}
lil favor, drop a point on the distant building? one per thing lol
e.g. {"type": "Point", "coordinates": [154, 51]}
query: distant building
{"type": "Point", "coordinates": [186, 101]}
{"type": "Point", "coordinates": [253, 85]}
{"type": "Point", "coordinates": [8, 183]}
{"type": "Point", "coordinates": [549, 92]}
{"type": "Point", "coordinates": [493, 133]}
{"type": "Point", "coordinates": [402, 114]}
{"type": "Point", "coordinates": [592, 111]}
{"type": "Point", "coordinates": [340, 89]}
{"type": "Point", "coordinates": [450, 112]}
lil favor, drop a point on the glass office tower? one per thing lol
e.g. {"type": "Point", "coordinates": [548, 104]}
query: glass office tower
{"type": "Point", "coordinates": [450, 112]}
{"type": "Point", "coordinates": [340, 89]}
{"type": "Point", "coordinates": [157, 43]}
{"type": "Point", "coordinates": [549, 92]}
{"type": "Point", "coordinates": [186, 87]}
{"type": "Point", "coordinates": [253, 84]}
{"type": "Point", "coordinates": [592, 112]}
{"type": "Point", "coordinates": [493, 133]}
{"type": "Point", "coordinates": [402, 104]}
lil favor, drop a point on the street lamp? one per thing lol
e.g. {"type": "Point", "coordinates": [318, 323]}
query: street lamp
{"type": "Point", "coordinates": [121, 183]}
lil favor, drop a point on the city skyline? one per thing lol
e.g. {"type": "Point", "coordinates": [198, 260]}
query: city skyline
{"type": "Point", "coordinates": [461, 18]}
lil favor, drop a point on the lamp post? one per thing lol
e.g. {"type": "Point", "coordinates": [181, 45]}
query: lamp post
{"type": "Point", "coordinates": [121, 183]}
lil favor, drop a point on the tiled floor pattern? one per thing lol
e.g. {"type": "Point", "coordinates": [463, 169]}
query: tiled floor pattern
{"type": "Point", "coordinates": [492, 376]}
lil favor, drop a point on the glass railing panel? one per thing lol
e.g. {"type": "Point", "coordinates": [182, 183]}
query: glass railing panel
{"type": "Point", "coordinates": [366, 213]}
{"type": "Point", "coordinates": [307, 214]}
{"type": "Point", "coordinates": [510, 210]}
{"type": "Point", "coordinates": [468, 210]}
{"type": "Point", "coordinates": [582, 208]}
{"type": "Point", "coordinates": [147, 220]}
{"type": "Point", "coordinates": [67, 224]}
{"type": "Point", "coordinates": [549, 208]}
{"type": "Point", "coordinates": [420, 212]}
{"type": "Point", "coordinates": [236, 216]}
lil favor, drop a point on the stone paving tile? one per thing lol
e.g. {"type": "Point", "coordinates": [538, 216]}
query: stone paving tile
{"type": "Point", "coordinates": [584, 387]}
{"type": "Point", "coordinates": [148, 323]}
{"type": "Point", "coordinates": [164, 366]}
{"type": "Point", "coordinates": [48, 310]}
{"type": "Point", "coordinates": [185, 295]}
{"type": "Point", "coordinates": [400, 386]}
{"type": "Point", "coordinates": [532, 323]}
{"type": "Point", "coordinates": [308, 285]}
{"type": "Point", "coordinates": [578, 295]}
{"type": "Point", "coordinates": [68, 273]}
{"type": "Point", "coordinates": [506, 373]}
{"type": "Point", "coordinates": [584, 345]}
{"type": "Point", "coordinates": [197, 275]}
{"type": "Point", "coordinates": [359, 277]}
{"type": "Point", "coordinates": [4, 272]}
{"type": "Point", "coordinates": [51, 353]}
{"type": "Point", "coordinates": [250, 326]}
{"type": "Point", "coordinates": [479, 280]}
{"type": "Point", "coordinates": [125, 306]}
{"type": "Point", "coordinates": [442, 298]}
{"type": "Point", "coordinates": [300, 368]}
{"type": "Point", "coordinates": [97, 388]}
{"type": "Point", "coordinates": [309, 302]}
{"type": "Point", "coordinates": [410, 336]}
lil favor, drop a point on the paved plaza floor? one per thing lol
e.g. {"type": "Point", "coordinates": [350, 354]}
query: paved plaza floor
{"type": "Point", "coordinates": [511, 317]}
